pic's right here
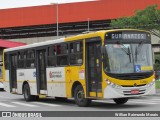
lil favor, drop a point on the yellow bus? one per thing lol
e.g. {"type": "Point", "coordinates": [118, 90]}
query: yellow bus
{"type": "Point", "coordinates": [108, 64]}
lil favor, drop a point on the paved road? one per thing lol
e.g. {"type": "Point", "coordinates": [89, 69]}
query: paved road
{"type": "Point", "coordinates": [11, 102]}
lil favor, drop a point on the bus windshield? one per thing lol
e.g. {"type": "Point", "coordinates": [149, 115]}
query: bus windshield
{"type": "Point", "coordinates": [128, 58]}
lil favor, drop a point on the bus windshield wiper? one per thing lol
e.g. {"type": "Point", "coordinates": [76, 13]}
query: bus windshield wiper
{"type": "Point", "coordinates": [138, 49]}
{"type": "Point", "coordinates": [126, 50]}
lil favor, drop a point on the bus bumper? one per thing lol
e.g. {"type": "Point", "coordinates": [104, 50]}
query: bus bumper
{"type": "Point", "coordinates": [123, 92]}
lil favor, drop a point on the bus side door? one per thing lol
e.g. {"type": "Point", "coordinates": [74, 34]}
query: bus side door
{"type": "Point", "coordinates": [94, 67]}
{"type": "Point", "coordinates": [13, 72]}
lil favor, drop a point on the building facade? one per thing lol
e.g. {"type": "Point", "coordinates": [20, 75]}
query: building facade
{"type": "Point", "coordinates": [39, 23]}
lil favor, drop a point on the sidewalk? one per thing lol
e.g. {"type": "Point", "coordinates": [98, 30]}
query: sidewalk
{"type": "Point", "coordinates": [157, 91]}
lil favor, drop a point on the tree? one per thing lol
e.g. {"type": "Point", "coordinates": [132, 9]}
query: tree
{"type": "Point", "coordinates": [147, 19]}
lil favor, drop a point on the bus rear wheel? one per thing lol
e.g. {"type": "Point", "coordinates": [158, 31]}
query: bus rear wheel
{"type": "Point", "coordinates": [27, 93]}
{"type": "Point", "coordinates": [80, 97]}
{"type": "Point", "coordinates": [120, 100]}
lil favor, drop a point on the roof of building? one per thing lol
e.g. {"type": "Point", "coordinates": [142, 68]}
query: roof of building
{"type": "Point", "coordinates": [10, 44]}
{"type": "Point", "coordinates": [71, 12]}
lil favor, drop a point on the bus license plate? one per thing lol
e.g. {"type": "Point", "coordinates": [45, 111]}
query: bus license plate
{"type": "Point", "coordinates": [134, 91]}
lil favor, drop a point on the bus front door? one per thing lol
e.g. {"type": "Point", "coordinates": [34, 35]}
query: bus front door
{"type": "Point", "coordinates": [41, 69]}
{"type": "Point", "coordinates": [13, 73]}
{"type": "Point", "coordinates": [93, 69]}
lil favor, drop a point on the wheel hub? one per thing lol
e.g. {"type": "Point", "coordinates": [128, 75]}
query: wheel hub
{"type": "Point", "coordinates": [80, 95]}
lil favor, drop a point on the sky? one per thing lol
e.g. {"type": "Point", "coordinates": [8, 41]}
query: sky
{"type": "Point", "coordinates": [4, 4]}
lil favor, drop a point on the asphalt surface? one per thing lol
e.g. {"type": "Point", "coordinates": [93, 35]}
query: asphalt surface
{"type": "Point", "coordinates": [13, 102]}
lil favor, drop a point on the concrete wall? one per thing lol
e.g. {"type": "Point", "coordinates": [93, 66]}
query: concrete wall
{"type": "Point", "coordinates": [155, 41]}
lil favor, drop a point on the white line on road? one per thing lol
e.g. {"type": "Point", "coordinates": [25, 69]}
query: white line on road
{"type": "Point", "coordinates": [24, 104]}
{"type": "Point", "coordinates": [104, 101]}
{"type": "Point", "coordinates": [6, 105]}
{"type": "Point", "coordinates": [158, 100]}
{"type": "Point", "coordinates": [47, 104]}
{"type": "Point", "coordinates": [148, 100]}
{"type": "Point", "coordinates": [131, 101]}
{"type": "Point", "coordinates": [141, 102]}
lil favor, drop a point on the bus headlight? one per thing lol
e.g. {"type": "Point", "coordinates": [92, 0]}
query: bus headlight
{"type": "Point", "coordinates": [113, 85]}
{"type": "Point", "coordinates": [150, 84]}
{"type": "Point", "coordinates": [107, 81]}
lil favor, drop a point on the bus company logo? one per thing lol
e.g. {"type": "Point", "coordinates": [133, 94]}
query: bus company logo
{"type": "Point", "coordinates": [20, 74]}
{"type": "Point", "coordinates": [55, 74]}
{"type": "Point", "coordinates": [6, 114]}
{"type": "Point", "coordinates": [34, 74]}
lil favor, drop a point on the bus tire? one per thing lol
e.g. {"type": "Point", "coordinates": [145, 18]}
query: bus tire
{"type": "Point", "coordinates": [120, 101]}
{"type": "Point", "coordinates": [79, 97]}
{"type": "Point", "coordinates": [27, 93]}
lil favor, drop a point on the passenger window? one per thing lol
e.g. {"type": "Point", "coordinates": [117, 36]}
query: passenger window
{"type": "Point", "coordinates": [62, 54]}
{"type": "Point", "coordinates": [76, 53]}
{"type": "Point", "coordinates": [21, 59]}
{"type": "Point", "coordinates": [30, 59]}
{"type": "Point", "coordinates": [62, 49]}
{"type": "Point", "coordinates": [52, 59]}
{"type": "Point", "coordinates": [6, 61]}
{"type": "Point", "coordinates": [52, 50]}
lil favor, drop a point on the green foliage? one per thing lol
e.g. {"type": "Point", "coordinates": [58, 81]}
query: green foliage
{"type": "Point", "coordinates": [157, 62]}
{"type": "Point", "coordinates": [157, 84]}
{"type": "Point", "coordinates": [147, 19]}
{"type": "Point", "coordinates": [156, 67]}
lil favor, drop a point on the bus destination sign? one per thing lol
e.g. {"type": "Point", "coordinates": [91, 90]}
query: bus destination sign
{"type": "Point", "coordinates": [127, 36]}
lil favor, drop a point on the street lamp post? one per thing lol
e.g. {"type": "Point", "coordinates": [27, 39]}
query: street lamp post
{"type": "Point", "coordinates": [88, 24]}
{"type": "Point", "coordinates": [56, 17]}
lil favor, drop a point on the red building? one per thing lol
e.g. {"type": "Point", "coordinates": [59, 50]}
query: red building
{"type": "Point", "coordinates": [40, 21]}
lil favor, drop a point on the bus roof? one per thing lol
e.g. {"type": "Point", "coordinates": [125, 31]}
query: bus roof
{"type": "Point", "coordinates": [76, 37]}
{"type": "Point", "coordinates": [35, 45]}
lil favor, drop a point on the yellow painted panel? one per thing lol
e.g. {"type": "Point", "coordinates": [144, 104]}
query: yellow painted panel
{"type": "Point", "coordinates": [42, 96]}
{"type": "Point", "coordinates": [92, 94]}
{"type": "Point", "coordinates": [100, 95]}
{"type": "Point", "coordinates": [146, 68]}
{"type": "Point", "coordinates": [1, 80]}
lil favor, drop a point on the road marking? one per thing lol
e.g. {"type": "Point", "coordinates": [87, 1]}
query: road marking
{"type": "Point", "coordinates": [101, 101]}
{"type": "Point", "coordinates": [149, 100]}
{"type": "Point", "coordinates": [141, 102]}
{"type": "Point", "coordinates": [155, 99]}
{"type": "Point", "coordinates": [6, 105]}
{"type": "Point", "coordinates": [47, 104]}
{"type": "Point", "coordinates": [131, 101]}
{"type": "Point", "coordinates": [24, 104]}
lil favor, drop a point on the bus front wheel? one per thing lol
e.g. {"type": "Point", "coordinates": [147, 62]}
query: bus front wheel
{"type": "Point", "coordinates": [120, 100]}
{"type": "Point", "coordinates": [80, 97]}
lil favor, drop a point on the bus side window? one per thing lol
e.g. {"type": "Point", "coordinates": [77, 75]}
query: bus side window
{"type": "Point", "coordinates": [6, 61]}
{"type": "Point", "coordinates": [76, 53]}
{"type": "Point", "coordinates": [21, 59]}
{"type": "Point", "coordinates": [52, 52]}
{"type": "Point", "coordinates": [30, 62]}
{"type": "Point", "coordinates": [62, 54]}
